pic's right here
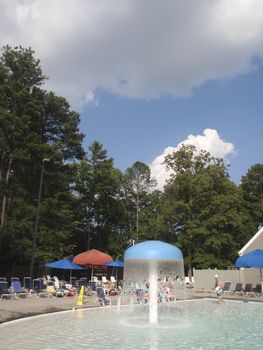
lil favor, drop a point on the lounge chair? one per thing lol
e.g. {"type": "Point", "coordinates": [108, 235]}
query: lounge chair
{"type": "Point", "coordinates": [104, 279]}
{"type": "Point", "coordinates": [83, 282]}
{"type": "Point", "coordinates": [58, 287]}
{"type": "Point", "coordinates": [4, 291]}
{"type": "Point", "coordinates": [112, 279]}
{"type": "Point", "coordinates": [257, 290]}
{"type": "Point", "coordinates": [226, 288]}
{"type": "Point", "coordinates": [27, 283]}
{"type": "Point", "coordinates": [95, 279]}
{"type": "Point", "coordinates": [248, 290]}
{"type": "Point", "coordinates": [101, 297]}
{"type": "Point", "coordinates": [239, 289]}
{"type": "Point", "coordinates": [38, 288]}
{"type": "Point", "coordinates": [92, 286]}
{"type": "Point", "coordinates": [18, 291]}
{"type": "Point", "coordinates": [48, 278]}
{"type": "Point", "coordinates": [73, 281]}
{"type": "Point", "coordinates": [14, 279]}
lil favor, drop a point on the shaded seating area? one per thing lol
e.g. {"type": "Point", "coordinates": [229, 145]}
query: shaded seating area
{"type": "Point", "coordinates": [50, 285]}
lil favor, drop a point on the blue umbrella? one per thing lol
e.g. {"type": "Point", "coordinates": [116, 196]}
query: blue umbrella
{"type": "Point", "coordinates": [63, 264]}
{"type": "Point", "coordinates": [115, 263]}
{"type": "Point", "coordinates": [251, 259]}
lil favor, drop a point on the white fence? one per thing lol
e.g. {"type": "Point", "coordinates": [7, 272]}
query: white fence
{"type": "Point", "coordinates": [203, 279]}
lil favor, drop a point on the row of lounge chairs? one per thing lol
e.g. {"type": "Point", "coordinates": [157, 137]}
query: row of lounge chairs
{"type": "Point", "coordinates": [248, 290]}
{"type": "Point", "coordinates": [52, 287]}
{"type": "Point", "coordinates": [39, 287]}
{"type": "Point", "coordinates": [16, 291]}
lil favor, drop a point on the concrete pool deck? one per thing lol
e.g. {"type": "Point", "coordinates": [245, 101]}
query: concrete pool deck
{"type": "Point", "coordinates": [25, 307]}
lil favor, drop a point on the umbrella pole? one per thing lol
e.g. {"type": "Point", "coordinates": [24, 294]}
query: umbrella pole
{"type": "Point", "coordinates": [261, 282]}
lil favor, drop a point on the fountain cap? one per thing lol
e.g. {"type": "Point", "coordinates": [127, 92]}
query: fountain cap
{"type": "Point", "coordinates": [154, 250]}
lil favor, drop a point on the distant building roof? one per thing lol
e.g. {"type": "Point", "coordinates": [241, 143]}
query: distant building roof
{"type": "Point", "coordinates": [256, 242]}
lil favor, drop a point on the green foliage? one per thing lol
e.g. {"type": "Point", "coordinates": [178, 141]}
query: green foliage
{"type": "Point", "coordinates": [136, 186]}
{"type": "Point", "coordinates": [97, 186]}
{"type": "Point", "coordinates": [252, 188]}
{"type": "Point", "coordinates": [204, 210]}
{"type": "Point", "coordinates": [87, 203]}
{"type": "Point", "coordinates": [34, 124]}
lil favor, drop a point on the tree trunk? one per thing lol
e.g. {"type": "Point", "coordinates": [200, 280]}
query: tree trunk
{"type": "Point", "coordinates": [4, 206]}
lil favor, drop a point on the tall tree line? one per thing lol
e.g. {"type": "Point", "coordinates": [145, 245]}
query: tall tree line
{"type": "Point", "coordinates": [86, 202]}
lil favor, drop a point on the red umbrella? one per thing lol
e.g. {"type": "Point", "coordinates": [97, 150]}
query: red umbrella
{"type": "Point", "coordinates": [92, 257]}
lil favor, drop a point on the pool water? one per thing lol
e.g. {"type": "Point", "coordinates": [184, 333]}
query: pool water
{"type": "Point", "coordinates": [201, 324]}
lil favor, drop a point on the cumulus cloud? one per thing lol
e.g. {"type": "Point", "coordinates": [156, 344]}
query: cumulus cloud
{"type": "Point", "coordinates": [134, 48]}
{"type": "Point", "coordinates": [209, 141]}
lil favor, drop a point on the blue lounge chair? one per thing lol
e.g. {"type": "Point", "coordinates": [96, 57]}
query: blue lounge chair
{"type": "Point", "coordinates": [37, 289]}
{"type": "Point", "coordinates": [17, 290]}
{"type": "Point", "coordinates": [4, 291]}
{"type": "Point", "coordinates": [27, 283]}
{"type": "Point", "coordinates": [14, 279]}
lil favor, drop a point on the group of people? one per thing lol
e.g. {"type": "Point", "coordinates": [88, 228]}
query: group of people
{"type": "Point", "coordinates": [164, 294]}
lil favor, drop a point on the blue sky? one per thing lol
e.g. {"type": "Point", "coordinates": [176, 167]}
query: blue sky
{"type": "Point", "coordinates": [134, 130]}
{"type": "Point", "coordinates": [147, 76]}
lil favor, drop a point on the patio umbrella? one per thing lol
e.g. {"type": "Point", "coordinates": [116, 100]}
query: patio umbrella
{"type": "Point", "coordinates": [92, 257]}
{"type": "Point", "coordinates": [253, 259]}
{"type": "Point", "coordinates": [63, 264]}
{"type": "Point", "coordinates": [115, 263]}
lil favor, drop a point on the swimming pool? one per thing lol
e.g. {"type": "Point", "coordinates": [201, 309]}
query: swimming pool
{"type": "Point", "coordinates": [201, 324]}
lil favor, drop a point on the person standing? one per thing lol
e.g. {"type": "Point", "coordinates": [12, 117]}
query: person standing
{"type": "Point", "coordinates": [218, 288]}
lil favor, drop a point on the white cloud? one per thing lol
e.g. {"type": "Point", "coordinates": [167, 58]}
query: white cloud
{"type": "Point", "coordinates": [135, 48]}
{"type": "Point", "coordinates": [209, 141]}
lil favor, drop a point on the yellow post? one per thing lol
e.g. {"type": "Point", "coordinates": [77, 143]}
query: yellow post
{"type": "Point", "coordinates": [81, 296]}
